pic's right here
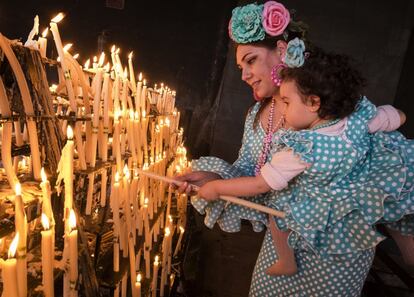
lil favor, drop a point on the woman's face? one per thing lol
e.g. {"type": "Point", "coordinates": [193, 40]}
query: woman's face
{"type": "Point", "coordinates": [256, 65]}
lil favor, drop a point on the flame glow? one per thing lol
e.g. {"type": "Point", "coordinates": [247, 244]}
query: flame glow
{"type": "Point", "coordinates": [72, 219]}
{"type": "Point", "coordinates": [139, 277]}
{"type": "Point", "coordinates": [69, 132]}
{"type": "Point", "coordinates": [101, 59]}
{"type": "Point", "coordinates": [43, 175]}
{"type": "Point", "coordinates": [86, 66]}
{"type": "Point", "coordinates": [45, 222]}
{"type": "Point", "coordinates": [140, 76]}
{"type": "Point", "coordinates": [18, 189]}
{"type": "Point", "coordinates": [117, 177]}
{"type": "Point", "coordinates": [44, 33]}
{"type": "Point", "coordinates": [13, 246]}
{"type": "Point", "coordinates": [58, 18]}
{"type": "Point", "coordinates": [67, 47]}
{"type": "Point", "coordinates": [130, 55]}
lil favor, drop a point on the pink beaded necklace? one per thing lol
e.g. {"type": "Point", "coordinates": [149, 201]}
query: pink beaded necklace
{"type": "Point", "coordinates": [268, 137]}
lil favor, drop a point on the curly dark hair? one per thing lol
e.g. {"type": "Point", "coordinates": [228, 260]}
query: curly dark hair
{"type": "Point", "coordinates": [333, 78]}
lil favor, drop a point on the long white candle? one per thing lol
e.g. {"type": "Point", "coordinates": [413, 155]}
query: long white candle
{"type": "Point", "coordinates": [47, 257]}
{"type": "Point", "coordinates": [9, 270]}
{"type": "Point", "coordinates": [155, 278]}
{"type": "Point", "coordinates": [73, 252]}
{"type": "Point", "coordinates": [21, 227]}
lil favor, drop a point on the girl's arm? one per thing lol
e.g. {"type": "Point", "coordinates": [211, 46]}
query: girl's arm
{"type": "Point", "coordinates": [284, 166]}
{"type": "Point", "coordinates": [388, 118]}
{"type": "Point", "coordinates": [242, 186]}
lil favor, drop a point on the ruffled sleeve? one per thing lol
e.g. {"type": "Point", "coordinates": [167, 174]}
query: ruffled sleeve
{"type": "Point", "coordinates": [227, 215]}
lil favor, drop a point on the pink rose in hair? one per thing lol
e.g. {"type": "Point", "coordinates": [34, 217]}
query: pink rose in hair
{"type": "Point", "coordinates": [275, 18]}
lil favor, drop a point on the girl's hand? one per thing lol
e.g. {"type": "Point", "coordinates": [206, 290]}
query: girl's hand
{"type": "Point", "coordinates": [197, 178]}
{"type": "Point", "coordinates": [209, 191]}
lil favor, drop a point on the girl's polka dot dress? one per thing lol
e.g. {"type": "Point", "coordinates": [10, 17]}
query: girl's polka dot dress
{"type": "Point", "coordinates": [357, 180]}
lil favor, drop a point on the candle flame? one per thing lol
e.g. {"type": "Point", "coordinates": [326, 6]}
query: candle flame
{"type": "Point", "coordinates": [107, 67]}
{"type": "Point", "coordinates": [101, 59]}
{"type": "Point", "coordinates": [86, 66]}
{"type": "Point", "coordinates": [146, 200]}
{"type": "Point", "coordinates": [75, 56]}
{"type": "Point", "coordinates": [18, 189]}
{"type": "Point", "coordinates": [130, 55]}
{"type": "Point", "coordinates": [140, 76]}
{"type": "Point", "coordinates": [167, 122]}
{"type": "Point", "coordinates": [13, 246]}
{"type": "Point", "coordinates": [167, 231]}
{"type": "Point", "coordinates": [72, 219]}
{"type": "Point", "coordinates": [44, 33]}
{"type": "Point", "coordinates": [139, 277]}
{"type": "Point", "coordinates": [170, 218]}
{"type": "Point", "coordinates": [131, 114]}
{"type": "Point", "coordinates": [182, 229]}
{"type": "Point", "coordinates": [145, 82]}
{"type": "Point", "coordinates": [95, 59]}
{"type": "Point", "coordinates": [58, 18]}
{"type": "Point", "coordinates": [117, 51]}
{"type": "Point", "coordinates": [67, 47]}
{"type": "Point", "coordinates": [113, 48]}
{"type": "Point", "coordinates": [125, 73]}
{"type": "Point", "coordinates": [117, 177]}
{"type": "Point", "coordinates": [43, 175]}
{"type": "Point", "coordinates": [58, 59]}
{"type": "Point", "coordinates": [45, 222]}
{"type": "Point", "coordinates": [144, 113]}
{"type": "Point", "coordinates": [126, 171]}
{"type": "Point", "coordinates": [156, 260]}
{"type": "Point", "coordinates": [69, 132]}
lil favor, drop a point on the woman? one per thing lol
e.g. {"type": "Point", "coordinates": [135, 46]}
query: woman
{"type": "Point", "coordinates": [261, 34]}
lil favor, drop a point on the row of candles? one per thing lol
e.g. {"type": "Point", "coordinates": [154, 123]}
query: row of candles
{"type": "Point", "coordinates": [120, 107]}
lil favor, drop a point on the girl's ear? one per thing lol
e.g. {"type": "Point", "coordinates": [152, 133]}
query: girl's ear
{"type": "Point", "coordinates": [281, 48]}
{"type": "Point", "coordinates": [314, 103]}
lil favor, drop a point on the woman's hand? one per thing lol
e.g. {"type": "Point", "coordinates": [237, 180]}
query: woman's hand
{"type": "Point", "coordinates": [209, 191]}
{"type": "Point", "coordinates": [197, 178]}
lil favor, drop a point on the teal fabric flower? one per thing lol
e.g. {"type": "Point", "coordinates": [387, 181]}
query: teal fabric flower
{"type": "Point", "coordinates": [295, 53]}
{"type": "Point", "coordinates": [246, 24]}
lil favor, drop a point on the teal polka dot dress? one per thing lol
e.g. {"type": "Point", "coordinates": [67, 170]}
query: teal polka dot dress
{"type": "Point", "coordinates": [357, 180]}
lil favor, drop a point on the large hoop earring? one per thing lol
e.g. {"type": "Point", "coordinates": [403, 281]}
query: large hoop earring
{"type": "Point", "coordinates": [275, 74]}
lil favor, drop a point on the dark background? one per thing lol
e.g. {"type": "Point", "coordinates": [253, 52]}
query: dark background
{"type": "Point", "coordinates": [184, 44]}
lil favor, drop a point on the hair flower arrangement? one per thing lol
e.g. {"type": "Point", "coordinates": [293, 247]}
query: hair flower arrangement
{"type": "Point", "coordinates": [295, 53]}
{"type": "Point", "coordinates": [246, 24]}
{"type": "Point", "coordinates": [276, 18]}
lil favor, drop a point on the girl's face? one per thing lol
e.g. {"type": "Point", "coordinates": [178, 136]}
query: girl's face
{"type": "Point", "coordinates": [256, 65]}
{"type": "Point", "coordinates": [299, 114]}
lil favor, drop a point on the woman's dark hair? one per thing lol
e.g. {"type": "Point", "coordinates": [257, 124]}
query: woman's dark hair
{"type": "Point", "coordinates": [331, 77]}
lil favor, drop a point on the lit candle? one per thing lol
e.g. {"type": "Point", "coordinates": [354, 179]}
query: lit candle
{"type": "Point", "coordinates": [46, 201]}
{"type": "Point", "coordinates": [9, 271]}
{"type": "Point", "coordinates": [73, 251]}
{"type": "Point", "coordinates": [68, 152]}
{"type": "Point", "coordinates": [138, 93]}
{"type": "Point", "coordinates": [47, 257]}
{"type": "Point", "coordinates": [69, 86]}
{"type": "Point", "coordinates": [138, 285]}
{"type": "Point", "coordinates": [21, 227]}
{"type": "Point", "coordinates": [155, 277]}
{"type": "Point", "coordinates": [43, 43]}
{"type": "Point", "coordinates": [177, 247]}
{"type": "Point", "coordinates": [131, 74]}
{"type": "Point", "coordinates": [115, 211]}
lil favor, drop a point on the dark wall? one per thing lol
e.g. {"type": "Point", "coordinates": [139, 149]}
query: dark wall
{"type": "Point", "coordinates": [375, 33]}
{"type": "Point", "coordinates": [182, 43]}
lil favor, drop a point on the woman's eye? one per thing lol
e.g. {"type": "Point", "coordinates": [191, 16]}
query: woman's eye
{"type": "Point", "coordinates": [251, 61]}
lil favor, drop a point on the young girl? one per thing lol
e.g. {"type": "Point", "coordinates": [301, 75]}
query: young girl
{"type": "Point", "coordinates": [325, 171]}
